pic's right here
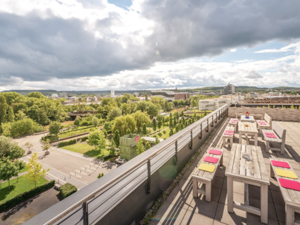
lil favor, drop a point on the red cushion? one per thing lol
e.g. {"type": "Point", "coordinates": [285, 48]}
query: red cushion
{"type": "Point", "coordinates": [211, 159]}
{"type": "Point", "coordinates": [215, 152]}
{"type": "Point", "coordinates": [280, 164]}
{"type": "Point", "coordinates": [290, 184]}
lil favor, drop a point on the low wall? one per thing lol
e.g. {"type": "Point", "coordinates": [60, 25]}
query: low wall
{"type": "Point", "coordinates": [275, 113]}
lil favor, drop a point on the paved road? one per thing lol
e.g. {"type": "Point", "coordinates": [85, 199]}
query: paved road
{"type": "Point", "coordinates": [67, 166]}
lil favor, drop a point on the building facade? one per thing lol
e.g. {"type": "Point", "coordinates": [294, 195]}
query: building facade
{"type": "Point", "coordinates": [170, 95]}
{"type": "Point", "coordinates": [229, 89]}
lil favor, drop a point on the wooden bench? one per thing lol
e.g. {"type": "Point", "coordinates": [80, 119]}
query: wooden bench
{"type": "Point", "coordinates": [204, 177]}
{"type": "Point", "coordinates": [291, 197]}
{"type": "Point", "coordinates": [280, 134]}
{"type": "Point", "coordinates": [268, 120]}
{"type": "Point", "coordinates": [228, 137]}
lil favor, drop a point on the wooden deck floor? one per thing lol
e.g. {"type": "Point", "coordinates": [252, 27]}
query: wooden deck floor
{"type": "Point", "coordinates": [182, 208]}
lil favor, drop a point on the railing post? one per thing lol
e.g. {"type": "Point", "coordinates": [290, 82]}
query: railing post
{"type": "Point", "coordinates": [176, 150]}
{"type": "Point", "coordinates": [200, 137]}
{"type": "Point", "coordinates": [219, 115]}
{"type": "Point", "coordinates": [85, 213]}
{"type": "Point", "coordinates": [207, 127]}
{"type": "Point", "coordinates": [212, 121]}
{"type": "Point", "coordinates": [191, 144]}
{"type": "Point", "coordinates": [149, 176]}
{"type": "Point", "coordinates": [216, 118]}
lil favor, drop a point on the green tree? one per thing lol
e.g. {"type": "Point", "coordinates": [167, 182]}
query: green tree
{"type": "Point", "coordinates": [28, 145]}
{"type": "Point", "coordinates": [16, 152]}
{"type": "Point", "coordinates": [147, 146]}
{"type": "Point", "coordinates": [94, 138]}
{"type": "Point", "coordinates": [114, 113]}
{"type": "Point", "coordinates": [3, 108]}
{"type": "Point", "coordinates": [11, 116]}
{"type": "Point", "coordinates": [20, 115]}
{"type": "Point", "coordinates": [146, 97]}
{"type": "Point", "coordinates": [141, 118]}
{"type": "Point", "coordinates": [117, 138]}
{"type": "Point", "coordinates": [205, 113]}
{"type": "Point", "coordinates": [139, 147]}
{"type": "Point", "coordinates": [54, 127]}
{"type": "Point", "coordinates": [142, 106]}
{"type": "Point", "coordinates": [7, 170]}
{"type": "Point", "coordinates": [122, 123]}
{"type": "Point", "coordinates": [163, 121]}
{"type": "Point", "coordinates": [144, 129]}
{"type": "Point", "coordinates": [152, 109]}
{"type": "Point", "coordinates": [112, 150]}
{"type": "Point", "coordinates": [104, 132]}
{"type": "Point", "coordinates": [95, 121]}
{"type": "Point", "coordinates": [171, 123]}
{"type": "Point", "coordinates": [6, 146]}
{"type": "Point", "coordinates": [177, 128]}
{"type": "Point", "coordinates": [46, 145]}
{"type": "Point", "coordinates": [154, 124]}
{"type": "Point", "coordinates": [43, 119]}
{"type": "Point", "coordinates": [170, 132]}
{"type": "Point", "coordinates": [77, 121]}
{"type": "Point", "coordinates": [35, 170]}
{"type": "Point", "coordinates": [128, 131]}
{"type": "Point", "coordinates": [19, 165]}
{"type": "Point", "coordinates": [159, 123]}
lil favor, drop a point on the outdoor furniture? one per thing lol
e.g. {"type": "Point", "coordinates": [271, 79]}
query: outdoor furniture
{"type": "Point", "coordinates": [265, 123]}
{"type": "Point", "coordinates": [247, 128]}
{"type": "Point", "coordinates": [291, 197]}
{"type": "Point", "coordinates": [228, 136]}
{"type": "Point", "coordinates": [252, 172]}
{"type": "Point", "coordinates": [250, 119]}
{"type": "Point", "coordinates": [280, 135]}
{"type": "Point", "coordinates": [201, 176]}
{"type": "Point", "coordinates": [233, 122]}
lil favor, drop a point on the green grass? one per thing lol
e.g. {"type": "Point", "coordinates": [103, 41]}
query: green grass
{"type": "Point", "coordinates": [79, 147]}
{"type": "Point", "coordinates": [97, 153]}
{"type": "Point", "coordinates": [24, 169]}
{"type": "Point", "coordinates": [17, 188]}
{"type": "Point", "coordinates": [76, 131]}
{"type": "Point", "coordinates": [166, 135]}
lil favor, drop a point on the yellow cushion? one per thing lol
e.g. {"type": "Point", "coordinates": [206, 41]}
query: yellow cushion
{"type": "Point", "coordinates": [286, 173]}
{"type": "Point", "coordinates": [206, 167]}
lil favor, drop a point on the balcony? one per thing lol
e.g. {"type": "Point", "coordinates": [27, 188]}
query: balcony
{"type": "Point", "coordinates": [126, 194]}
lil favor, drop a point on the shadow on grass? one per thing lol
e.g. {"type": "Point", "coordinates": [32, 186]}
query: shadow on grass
{"type": "Point", "coordinates": [96, 153]}
{"type": "Point", "coordinates": [5, 191]}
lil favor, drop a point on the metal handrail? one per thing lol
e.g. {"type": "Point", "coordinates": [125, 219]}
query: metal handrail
{"type": "Point", "coordinates": [102, 188]}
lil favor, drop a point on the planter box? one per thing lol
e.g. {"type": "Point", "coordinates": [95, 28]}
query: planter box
{"type": "Point", "coordinates": [127, 146]}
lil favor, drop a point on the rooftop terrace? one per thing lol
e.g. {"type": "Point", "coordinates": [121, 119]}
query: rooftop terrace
{"type": "Point", "coordinates": [182, 208]}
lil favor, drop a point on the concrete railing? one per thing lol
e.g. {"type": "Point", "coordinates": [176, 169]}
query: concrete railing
{"type": "Point", "coordinates": [124, 195]}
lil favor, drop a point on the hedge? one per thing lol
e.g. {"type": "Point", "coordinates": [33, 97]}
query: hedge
{"type": "Point", "coordinates": [65, 143]}
{"type": "Point", "coordinates": [84, 138]}
{"type": "Point", "coordinates": [67, 189]}
{"type": "Point", "coordinates": [26, 195]}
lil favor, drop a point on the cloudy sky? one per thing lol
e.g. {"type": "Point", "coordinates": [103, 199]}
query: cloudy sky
{"type": "Point", "coordinates": [148, 44]}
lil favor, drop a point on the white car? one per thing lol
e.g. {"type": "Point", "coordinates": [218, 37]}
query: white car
{"type": "Point", "coordinates": [120, 161]}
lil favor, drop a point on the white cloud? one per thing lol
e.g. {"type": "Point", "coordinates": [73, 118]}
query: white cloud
{"type": "Point", "coordinates": [291, 47]}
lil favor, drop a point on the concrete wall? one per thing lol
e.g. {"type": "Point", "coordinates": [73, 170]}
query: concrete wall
{"type": "Point", "coordinates": [133, 209]}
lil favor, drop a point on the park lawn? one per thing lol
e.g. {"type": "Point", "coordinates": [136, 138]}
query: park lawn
{"type": "Point", "coordinates": [17, 188]}
{"type": "Point", "coordinates": [96, 153]}
{"type": "Point", "coordinates": [164, 136]}
{"type": "Point", "coordinates": [79, 147]}
{"type": "Point", "coordinates": [24, 169]}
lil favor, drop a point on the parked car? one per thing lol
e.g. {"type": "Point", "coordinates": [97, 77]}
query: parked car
{"type": "Point", "coordinates": [120, 161]}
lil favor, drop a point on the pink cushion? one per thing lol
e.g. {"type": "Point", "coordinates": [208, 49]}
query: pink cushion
{"type": "Point", "coordinates": [290, 184]}
{"type": "Point", "coordinates": [230, 134]}
{"type": "Point", "coordinates": [215, 152]}
{"type": "Point", "coordinates": [229, 131]}
{"type": "Point", "coordinates": [211, 159]}
{"type": "Point", "coordinates": [262, 123]}
{"type": "Point", "coordinates": [270, 136]}
{"type": "Point", "coordinates": [233, 121]}
{"type": "Point", "coordinates": [280, 164]}
{"type": "Point", "coordinates": [267, 133]}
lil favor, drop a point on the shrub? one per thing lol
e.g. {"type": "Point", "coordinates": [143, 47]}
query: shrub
{"type": "Point", "coordinates": [100, 175]}
{"type": "Point", "coordinates": [67, 189]}
{"type": "Point", "coordinates": [84, 138]}
{"type": "Point", "coordinates": [106, 157]}
{"type": "Point", "coordinates": [159, 134]}
{"type": "Point", "coordinates": [85, 123]}
{"type": "Point", "coordinates": [65, 143]}
{"type": "Point", "coordinates": [50, 137]}
{"type": "Point", "coordinates": [28, 194]}
{"type": "Point", "coordinates": [164, 131]}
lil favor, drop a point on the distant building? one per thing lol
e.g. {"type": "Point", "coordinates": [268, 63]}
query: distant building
{"type": "Point", "coordinates": [136, 94]}
{"type": "Point", "coordinates": [54, 96]}
{"type": "Point", "coordinates": [112, 93]}
{"type": "Point", "coordinates": [229, 89]}
{"type": "Point", "coordinates": [170, 95]}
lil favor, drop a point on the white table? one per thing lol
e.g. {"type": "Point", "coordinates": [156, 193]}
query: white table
{"type": "Point", "coordinates": [252, 172]}
{"type": "Point", "coordinates": [244, 119]}
{"type": "Point", "coordinates": [247, 128]}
